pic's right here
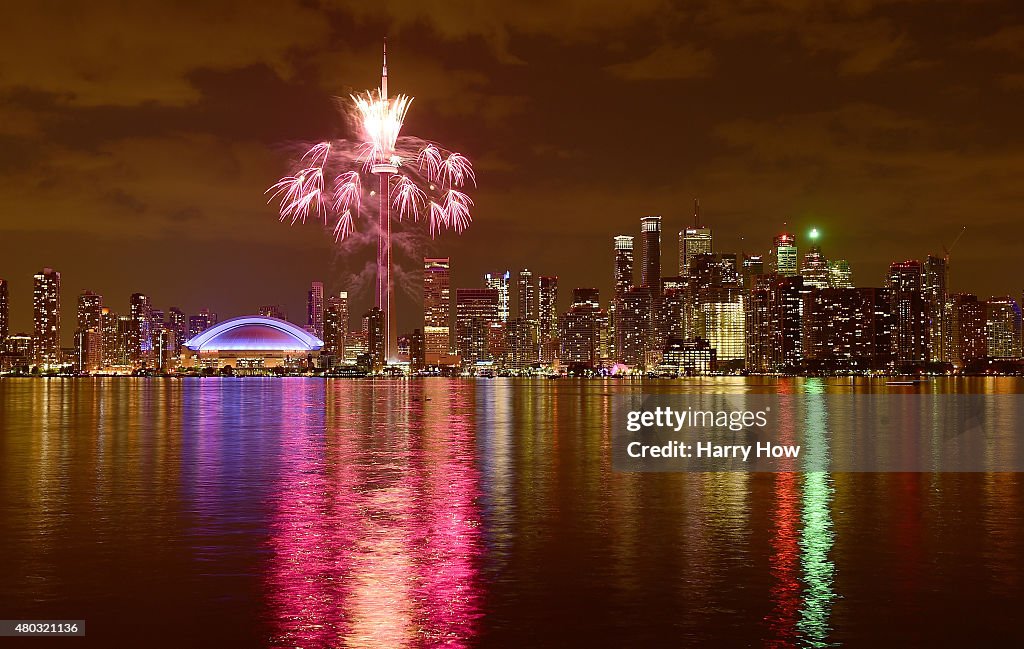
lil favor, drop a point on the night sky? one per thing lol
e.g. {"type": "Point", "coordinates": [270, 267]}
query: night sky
{"type": "Point", "coordinates": [136, 139]}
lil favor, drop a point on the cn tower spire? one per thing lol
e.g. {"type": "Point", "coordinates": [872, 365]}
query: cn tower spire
{"type": "Point", "coordinates": [384, 72]}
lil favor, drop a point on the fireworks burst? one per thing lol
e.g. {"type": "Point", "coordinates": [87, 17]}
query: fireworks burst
{"type": "Point", "coordinates": [331, 180]}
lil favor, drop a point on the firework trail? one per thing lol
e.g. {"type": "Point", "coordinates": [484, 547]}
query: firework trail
{"type": "Point", "coordinates": [334, 182]}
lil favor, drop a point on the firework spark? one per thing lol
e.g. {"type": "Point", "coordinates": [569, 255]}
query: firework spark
{"type": "Point", "coordinates": [427, 179]}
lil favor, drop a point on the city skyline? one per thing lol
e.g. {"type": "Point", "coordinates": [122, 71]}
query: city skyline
{"type": "Point", "coordinates": [875, 122]}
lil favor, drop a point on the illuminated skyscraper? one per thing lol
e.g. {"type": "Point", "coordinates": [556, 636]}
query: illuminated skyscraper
{"type": "Point", "coordinates": [1003, 328]}
{"type": "Point", "coordinates": [633, 328]}
{"type": "Point", "coordinates": [200, 322]}
{"type": "Point", "coordinates": [5, 312]}
{"type": "Point", "coordinates": [336, 325]}
{"type": "Point", "coordinates": [90, 310]}
{"type": "Point", "coordinates": [142, 328]}
{"type": "Point", "coordinates": [839, 275]}
{"type": "Point", "coordinates": [935, 281]}
{"type": "Point", "coordinates": [178, 323]}
{"type": "Point", "coordinates": [909, 312]}
{"type": "Point", "coordinates": [46, 316]}
{"type": "Point", "coordinates": [693, 241]}
{"type": "Point", "coordinates": [437, 320]}
{"type": "Point", "coordinates": [527, 296]}
{"type": "Point", "coordinates": [547, 316]}
{"type": "Point", "coordinates": [376, 343]}
{"type": "Point", "coordinates": [721, 321]}
{"type": "Point", "coordinates": [89, 334]}
{"type": "Point", "coordinates": [623, 265]}
{"type": "Point", "coordinates": [315, 309]}
{"type": "Point", "coordinates": [499, 282]}
{"type": "Point", "coordinates": [580, 330]}
{"type": "Point", "coordinates": [968, 342]}
{"type": "Point", "coordinates": [475, 310]}
{"type": "Point", "coordinates": [650, 270]}
{"type": "Point", "coordinates": [785, 254]}
{"type": "Point", "coordinates": [815, 268]}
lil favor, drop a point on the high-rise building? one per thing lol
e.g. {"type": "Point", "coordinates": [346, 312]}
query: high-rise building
{"type": "Point", "coordinates": [336, 325]}
{"type": "Point", "coordinates": [845, 329]}
{"type": "Point", "coordinates": [417, 360]}
{"type": "Point", "coordinates": [721, 321]}
{"type": "Point", "coordinates": [499, 281]}
{"type": "Point", "coordinates": [437, 304]}
{"type": "Point", "coordinates": [475, 310]}
{"type": "Point", "coordinates": [839, 275]}
{"type": "Point", "coordinates": [373, 329]}
{"type": "Point", "coordinates": [623, 265]}
{"type": "Point", "coordinates": [775, 323]}
{"type": "Point", "coordinates": [109, 320]}
{"type": "Point", "coordinates": [125, 341]}
{"type": "Point", "coordinates": [650, 270]}
{"type": "Point", "coordinates": [633, 327]}
{"type": "Point", "coordinates": [46, 316]}
{"type": "Point", "coordinates": [934, 287]}
{"type": "Point", "coordinates": [967, 333]}
{"type": "Point", "coordinates": [527, 296]}
{"type": "Point", "coordinates": [815, 268]}
{"type": "Point", "coordinates": [547, 316]}
{"type": "Point", "coordinates": [785, 254]}
{"type": "Point", "coordinates": [909, 312]}
{"type": "Point", "coordinates": [693, 241]}
{"type": "Point", "coordinates": [5, 312]}
{"type": "Point", "coordinates": [142, 329]}
{"type": "Point", "coordinates": [1003, 328]}
{"type": "Point", "coordinates": [90, 311]}
{"type": "Point", "coordinates": [89, 334]}
{"type": "Point", "coordinates": [315, 309]}
{"type": "Point", "coordinates": [580, 330]}
{"type": "Point", "coordinates": [178, 323]}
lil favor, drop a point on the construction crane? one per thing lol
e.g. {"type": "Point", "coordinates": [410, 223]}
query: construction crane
{"type": "Point", "coordinates": [953, 245]}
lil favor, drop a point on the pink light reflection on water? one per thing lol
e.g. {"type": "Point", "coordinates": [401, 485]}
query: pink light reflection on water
{"type": "Point", "coordinates": [375, 538]}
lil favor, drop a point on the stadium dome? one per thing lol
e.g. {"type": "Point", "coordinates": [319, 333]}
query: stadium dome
{"type": "Point", "coordinates": [256, 334]}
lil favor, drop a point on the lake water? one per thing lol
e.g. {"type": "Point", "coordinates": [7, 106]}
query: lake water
{"type": "Point", "coordinates": [450, 513]}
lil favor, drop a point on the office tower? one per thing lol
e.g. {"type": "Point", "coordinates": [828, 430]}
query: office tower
{"type": "Point", "coordinates": [142, 328]}
{"type": "Point", "coordinates": [520, 344]}
{"type": "Point", "coordinates": [762, 350]}
{"type": "Point", "coordinates": [580, 330]}
{"type": "Point", "coordinates": [815, 268]}
{"type": "Point", "coordinates": [527, 296]}
{"type": "Point", "coordinates": [165, 348]}
{"type": "Point", "coordinates": [499, 282]}
{"type": "Point", "coordinates": [909, 312]}
{"type": "Point", "coordinates": [547, 316]}
{"type": "Point", "coordinates": [1003, 328]}
{"type": "Point", "coordinates": [109, 328]}
{"type": "Point", "coordinates": [752, 266]}
{"type": "Point", "coordinates": [336, 325]}
{"type": "Point", "coordinates": [5, 313]}
{"type": "Point", "coordinates": [315, 309]}
{"type": "Point", "coordinates": [273, 311]}
{"type": "Point", "coordinates": [670, 310]}
{"type": "Point", "coordinates": [836, 329]}
{"type": "Point", "coordinates": [373, 329]}
{"type": "Point", "coordinates": [650, 270]}
{"type": "Point", "coordinates": [623, 265]}
{"type": "Point", "coordinates": [178, 323]}
{"type": "Point", "coordinates": [633, 327]}
{"type": "Point", "coordinates": [46, 316]}
{"type": "Point", "coordinates": [497, 340]}
{"type": "Point", "coordinates": [125, 341]}
{"type": "Point", "coordinates": [89, 333]}
{"type": "Point", "coordinates": [785, 253]}
{"type": "Point", "coordinates": [356, 346]}
{"type": "Point", "coordinates": [839, 275]}
{"type": "Point", "coordinates": [475, 310]}
{"type": "Point", "coordinates": [967, 335]}
{"type": "Point", "coordinates": [693, 241]}
{"type": "Point", "coordinates": [721, 321]}
{"type": "Point", "coordinates": [437, 302]}
{"type": "Point", "coordinates": [876, 327]}
{"type": "Point", "coordinates": [934, 287]}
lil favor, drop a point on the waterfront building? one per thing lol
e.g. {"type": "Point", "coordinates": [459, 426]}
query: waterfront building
{"type": "Point", "coordinates": [935, 279]}
{"type": "Point", "coordinates": [650, 269]}
{"type": "Point", "coordinates": [688, 357]}
{"type": "Point", "coordinates": [46, 317]}
{"type": "Point", "coordinates": [910, 313]}
{"type": "Point", "coordinates": [315, 309]}
{"type": "Point", "coordinates": [500, 282]}
{"type": "Point", "coordinates": [580, 329]}
{"type": "Point", "coordinates": [547, 317]}
{"type": "Point", "coordinates": [336, 325]}
{"type": "Point", "coordinates": [1003, 328]}
{"type": "Point", "coordinates": [475, 310]}
{"type": "Point", "coordinates": [437, 342]}
{"type": "Point", "coordinates": [252, 344]}
{"type": "Point", "coordinates": [633, 327]}
{"type": "Point", "coordinates": [968, 341]}
{"type": "Point", "coordinates": [5, 312]}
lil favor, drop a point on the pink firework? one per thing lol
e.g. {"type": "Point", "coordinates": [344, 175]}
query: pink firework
{"type": "Point", "coordinates": [332, 180]}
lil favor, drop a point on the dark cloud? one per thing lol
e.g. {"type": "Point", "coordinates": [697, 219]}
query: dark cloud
{"type": "Point", "coordinates": [144, 134]}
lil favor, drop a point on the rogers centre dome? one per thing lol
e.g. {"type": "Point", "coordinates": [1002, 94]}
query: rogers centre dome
{"type": "Point", "coordinates": [252, 342]}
